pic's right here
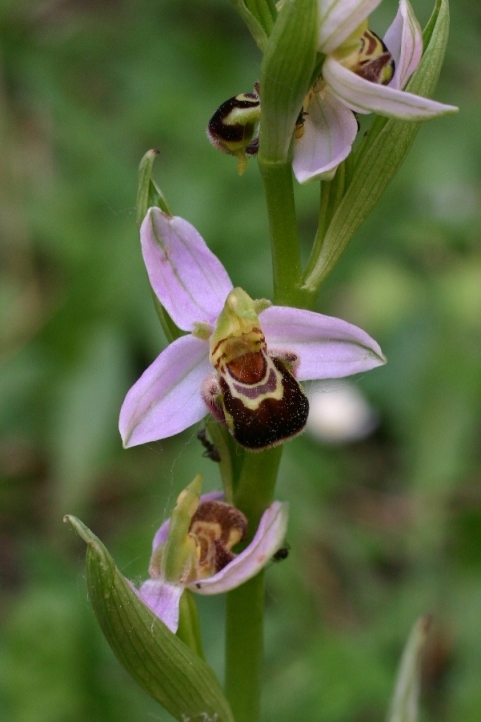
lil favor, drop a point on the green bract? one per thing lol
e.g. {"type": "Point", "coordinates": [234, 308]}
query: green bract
{"type": "Point", "coordinates": [404, 704]}
{"type": "Point", "coordinates": [148, 193]}
{"type": "Point", "coordinates": [159, 662]}
{"type": "Point", "coordinates": [260, 23]}
{"type": "Point", "coordinates": [286, 72]}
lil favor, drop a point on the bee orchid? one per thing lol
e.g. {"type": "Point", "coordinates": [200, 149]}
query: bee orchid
{"type": "Point", "coordinates": [361, 73]}
{"type": "Point", "coordinates": [192, 550]}
{"type": "Point", "coordinates": [242, 360]}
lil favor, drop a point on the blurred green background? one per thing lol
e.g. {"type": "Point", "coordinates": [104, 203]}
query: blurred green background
{"type": "Point", "coordinates": [382, 530]}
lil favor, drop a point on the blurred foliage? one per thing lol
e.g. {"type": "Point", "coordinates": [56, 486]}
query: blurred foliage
{"type": "Point", "coordinates": [382, 530]}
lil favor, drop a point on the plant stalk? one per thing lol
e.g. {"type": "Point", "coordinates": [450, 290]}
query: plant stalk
{"type": "Point", "coordinates": [286, 256]}
{"type": "Point", "coordinates": [245, 605]}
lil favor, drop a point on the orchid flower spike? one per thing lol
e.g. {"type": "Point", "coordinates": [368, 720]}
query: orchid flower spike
{"type": "Point", "coordinates": [360, 73]}
{"type": "Point", "coordinates": [242, 360]}
{"type": "Point", "coordinates": [192, 550]}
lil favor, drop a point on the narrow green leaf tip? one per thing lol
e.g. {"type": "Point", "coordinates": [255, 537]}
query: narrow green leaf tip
{"type": "Point", "coordinates": [82, 530]}
{"type": "Point", "coordinates": [255, 28]}
{"type": "Point", "coordinates": [404, 705]}
{"type": "Point", "coordinates": [431, 24]}
{"type": "Point", "coordinates": [148, 193]}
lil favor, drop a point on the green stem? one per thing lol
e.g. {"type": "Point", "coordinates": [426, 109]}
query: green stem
{"type": "Point", "coordinates": [265, 12]}
{"type": "Point", "coordinates": [257, 481]}
{"type": "Point", "coordinates": [231, 457]}
{"type": "Point", "coordinates": [331, 196]}
{"type": "Point", "coordinates": [286, 255]}
{"type": "Point", "coordinates": [245, 605]}
{"type": "Point", "coordinates": [189, 626]}
{"type": "Point", "coordinates": [245, 649]}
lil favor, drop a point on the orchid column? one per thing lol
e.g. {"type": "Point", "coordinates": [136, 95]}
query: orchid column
{"type": "Point", "coordinates": [240, 362]}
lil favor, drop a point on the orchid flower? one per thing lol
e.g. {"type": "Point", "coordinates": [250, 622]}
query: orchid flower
{"type": "Point", "coordinates": [192, 550]}
{"type": "Point", "coordinates": [360, 73]}
{"type": "Point", "coordinates": [241, 360]}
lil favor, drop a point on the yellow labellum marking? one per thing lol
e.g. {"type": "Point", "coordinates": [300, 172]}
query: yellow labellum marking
{"type": "Point", "coordinates": [371, 59]}
{"type": "Point", "coordinates": [257, 395]}
{"type": "Point", "coordinates": [216, 528]}
{"type": "Point", "coordinates": [271, 378]}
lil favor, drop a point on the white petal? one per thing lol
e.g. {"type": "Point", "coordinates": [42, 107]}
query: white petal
{"type": "Point", "coordinates": [365, 97]}
{"type": "Point", "coordinates": [329, 132]}
{"type": "Point", "coordinates": [167, 399]}
{"type": "Point", "coordinates": [404, 40]}
{"type": "Point", "coordinates": [327, 347]}
{"type": "Point", "coordinates": [188, 279]}
{"type": "Point", "coordinates": [163, 600]}
{"type": "Point", "coordinates": [267, 540]}
{"type": "Point", "coordinates": [339, 18]}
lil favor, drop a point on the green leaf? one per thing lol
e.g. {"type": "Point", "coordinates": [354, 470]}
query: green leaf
{"type": "Point", "coordinates": [404, 705]}
{"type": "Point", "coordinates": [158, 661]}
{"type": "Point", "coordinates": [286, 71]}
{"type": "Point", "coordinates": [331, 195]}
{"type": "Point", "coordinates": [148, 193]}
{"type": "Point", "coordinates": [265, 11]}
{"type": "Point", "coordinates": [380, 154]}
{"type": "Point", "coordinates": [255, 28]}
{"type": "Point", "coordinates": [431, 24]}
{"type": "Point", "coordinates": [169, 328]}
{"type": "Point", "coordinates": [189, 624]}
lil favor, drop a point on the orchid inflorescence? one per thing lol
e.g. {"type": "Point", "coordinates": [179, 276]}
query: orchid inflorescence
{"type": "Point", "coordinates": [360, 73]}
{"type": "Point", "coordinates": [237, 362]}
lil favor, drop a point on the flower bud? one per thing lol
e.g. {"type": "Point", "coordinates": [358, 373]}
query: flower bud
{"type": "Point", "coordinates": [233, 125]}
